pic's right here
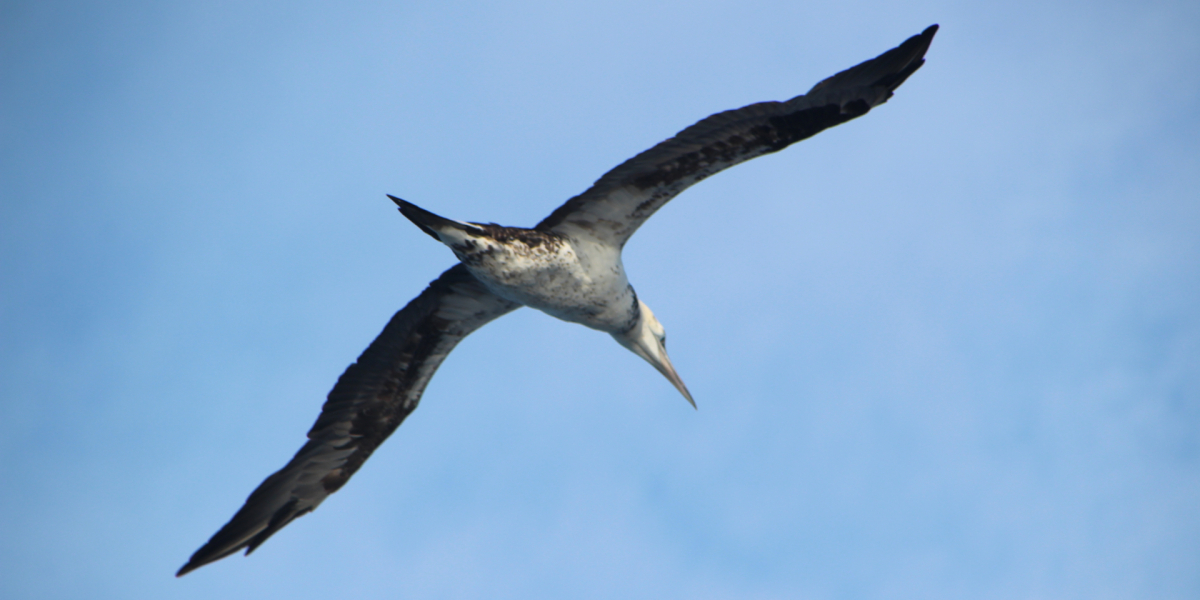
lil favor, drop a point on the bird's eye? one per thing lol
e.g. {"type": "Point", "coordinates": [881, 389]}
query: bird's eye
{"type": "Point", "coordinates": [663, 340]}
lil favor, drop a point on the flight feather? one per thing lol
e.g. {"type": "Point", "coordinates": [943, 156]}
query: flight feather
{"type": "Point", "coordinates": [370, 400]}
{"type": "Point", "coordinates": [621, 200]}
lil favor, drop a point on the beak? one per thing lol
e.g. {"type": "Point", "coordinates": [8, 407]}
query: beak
{"type": "Point", "coordinates": [650, 347]}
{"type": "Point", "coordinates": [669, 371]}
{"type": "Point", "coordinates": [663, 363]}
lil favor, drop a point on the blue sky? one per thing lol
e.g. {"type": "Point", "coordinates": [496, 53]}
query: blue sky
{"type": "Point", "coordinates": [948, 350]}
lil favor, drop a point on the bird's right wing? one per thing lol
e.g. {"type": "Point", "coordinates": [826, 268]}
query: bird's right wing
{"type": "Point", "coordinates": [619, 202]}
{"type": "Point", "coordinates": [367, 404]}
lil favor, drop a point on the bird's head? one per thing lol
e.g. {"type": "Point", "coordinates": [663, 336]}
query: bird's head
{"type": "Point", "coordinates": [648, 340]}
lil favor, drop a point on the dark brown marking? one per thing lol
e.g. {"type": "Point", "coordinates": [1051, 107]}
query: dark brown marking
{"type": "Point", "coordinates": [775, 134]}
{"type": "Point", "coordinates": [532, 238]}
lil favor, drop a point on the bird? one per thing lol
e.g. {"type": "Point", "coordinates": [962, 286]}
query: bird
{"type": "Point", "coordinates": [568, 266]}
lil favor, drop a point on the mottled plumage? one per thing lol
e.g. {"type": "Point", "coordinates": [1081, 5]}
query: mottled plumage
{"type": "Point", "coordinates": [568, 266]}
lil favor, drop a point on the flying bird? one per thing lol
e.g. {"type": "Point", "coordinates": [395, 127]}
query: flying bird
{"type": "Point", "coordinates": [568, 266]}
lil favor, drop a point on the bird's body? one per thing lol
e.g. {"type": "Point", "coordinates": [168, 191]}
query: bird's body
{"type": "Point", "coordinates": [576, 280]}
{"type": "Point", "coordinates": [568, 266]}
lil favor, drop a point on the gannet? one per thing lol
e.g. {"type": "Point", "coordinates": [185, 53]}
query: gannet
{"type": "Point", "coordinates": [568, 266]}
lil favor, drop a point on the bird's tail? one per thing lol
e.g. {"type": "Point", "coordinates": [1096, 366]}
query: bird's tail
{"type": "Point", "coordinates": [440, 228]}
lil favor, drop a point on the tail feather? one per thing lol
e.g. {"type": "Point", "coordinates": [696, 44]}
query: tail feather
{"type": "Point", "coordinates": [432, 224]}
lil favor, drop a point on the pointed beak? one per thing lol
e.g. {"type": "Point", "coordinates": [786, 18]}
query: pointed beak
{"type": "Point", "coordinates": [668, 370]}
{"type": "Point", "coordinates": [658, 358]}
{"type": "Point", "coordinates": [651, 348]}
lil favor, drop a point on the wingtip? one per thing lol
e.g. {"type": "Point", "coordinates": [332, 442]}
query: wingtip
{"type": "Point", "coordinates": [201, 558]}
{"type": "Point", "coordinates": [926, 38]}
{"type": "Point", "coordinates": [399, 202]}
{"type": "Point", "coordinates": [888, 70]}
{"type": "Point", "coordinates": [920, 42]}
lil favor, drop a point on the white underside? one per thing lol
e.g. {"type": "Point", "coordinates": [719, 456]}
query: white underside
{"type": "Point", "coordinates": [578, 282]}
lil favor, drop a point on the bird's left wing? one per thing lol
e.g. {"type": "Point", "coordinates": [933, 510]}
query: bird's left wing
{"type": "Point", "coordinates": [620, 201]}
{"type": "Point", "coordinates": [367, 404]}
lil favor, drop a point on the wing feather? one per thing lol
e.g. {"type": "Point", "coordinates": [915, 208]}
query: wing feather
{"type": "Point", "coordinates": [367, 404]}
{"type": "Point", "coordinates": [620, 201]}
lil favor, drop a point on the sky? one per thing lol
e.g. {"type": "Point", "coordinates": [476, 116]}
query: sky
{"type": "Point", "coordinates": [950, 349]}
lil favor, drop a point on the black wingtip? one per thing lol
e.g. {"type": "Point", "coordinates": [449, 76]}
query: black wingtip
{"type": "Point", "coordinates": [913, 50]}
{"type": "Point", "coordinates": [194, 564]}
{"type": "Point", "coordinates": [191, 565]}
{"type": "Point", "coordinates": [400, 203]}
{"type": "Point", "coordinates": [206, 555]}
{"type": "Point", "coordinates": [921, 42]}
{"type": "Point", "coordinates": [926, 38]}
{"type": "Point", "coordinates": [888, 70]}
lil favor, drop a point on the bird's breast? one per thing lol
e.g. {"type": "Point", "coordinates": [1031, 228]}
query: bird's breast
{"type": "Point", "coordinates": [551, 274]}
